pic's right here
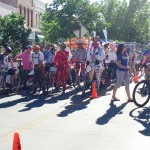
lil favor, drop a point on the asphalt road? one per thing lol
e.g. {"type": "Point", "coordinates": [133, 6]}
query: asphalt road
{"type": "Point", "coordinates": [69, 122]}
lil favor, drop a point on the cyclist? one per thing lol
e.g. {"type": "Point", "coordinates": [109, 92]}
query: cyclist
{"type": "Point", "coordinates": [95, 57]}
{"type": "Point", "coordinates": [25, 56]}
{"type": "Point", "coordinates": [61, 59]}
{"type": "Point", "coordinates": [7, 64]}
{"type": "Point", "coordinates": [146, 59]}
{"type": "Point", "coordinates": [37, 59]}
{"type": "Point", "coordinates": [49, 56]}
{"type": "Point", "coordinates": [79, 55]}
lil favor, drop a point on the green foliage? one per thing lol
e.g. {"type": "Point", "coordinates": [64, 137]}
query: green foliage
{"type": "Point", "coordinates": [124, 21]}
{"type": "Point", "coordinates": [13, 32]}
{"type": "Point", "coordinates": [63, 18]}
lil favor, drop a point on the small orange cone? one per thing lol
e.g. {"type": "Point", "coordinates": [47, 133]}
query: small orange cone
{"type": "Point", "coordinates": [94, 92]}
{"type": "Point", "coordinates": [16, 142]}
{"type": "Point", "coordinates": [136, 78]}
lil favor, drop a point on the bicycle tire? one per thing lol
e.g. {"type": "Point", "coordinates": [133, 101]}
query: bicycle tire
{"type": "Point", "coordinates": [143, 91]}
{"type": "Point", "coordinates": [50, 85]}
{"type": "Point", "coordinates": [15, 85]}
{"type": "Point", "coordinates": [1, 82]}
{"type": "Point", "coordinates": [77, 85]}
{"type": "Point", "coordinates": [84, 85]}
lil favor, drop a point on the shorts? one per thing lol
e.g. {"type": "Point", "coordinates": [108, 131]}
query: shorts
{"type": "Point", "coordinates": [122, 76]}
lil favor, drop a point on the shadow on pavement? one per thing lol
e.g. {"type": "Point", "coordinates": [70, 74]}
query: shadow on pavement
{"type": "Point", "coordinates": [110, 113]}
{"type": "Point", "coordinates": [14, 102]}
{"type": "Point", "coordinates": [142, 117]}
{"type": "Point", "coordinates": [77, 103]}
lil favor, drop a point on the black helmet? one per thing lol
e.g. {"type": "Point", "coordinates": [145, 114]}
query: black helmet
{"type": "Point", "coordinates": [8, 50]}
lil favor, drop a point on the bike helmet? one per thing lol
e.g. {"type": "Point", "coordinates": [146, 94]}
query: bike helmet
{"type": "Point", "coordinates": [8, 50]}
{"type": "Point", "coordinates": [35, 47]}
{"type": "Point", "coordinates": [62, 42]}
{"type": "Point", "coordinates": [28, 47]}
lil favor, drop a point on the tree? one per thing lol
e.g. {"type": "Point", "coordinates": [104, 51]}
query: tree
{"type": "Point", "coordinates": [13, 32]}
{"type": "Point", "coordinates": [63, 18]}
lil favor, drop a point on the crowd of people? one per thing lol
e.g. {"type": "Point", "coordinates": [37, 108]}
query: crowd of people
{"type": "Point", "coordinates": [119, 59]}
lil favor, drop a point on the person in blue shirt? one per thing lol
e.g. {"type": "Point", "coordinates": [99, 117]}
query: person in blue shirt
{"type": "Point", "coordinates": [122, 72]}
{"type": "Point", "coordinates": [49, 56]}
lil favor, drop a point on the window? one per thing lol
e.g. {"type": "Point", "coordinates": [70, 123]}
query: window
{"type": "Point", "coordinates": [36, 20]}
{"type": "Point", "coordinates": [20, 9]}
{"type": "Point", "coordinates": [28, 17]}
{"type": "Point", "coordinates": [31, 18]}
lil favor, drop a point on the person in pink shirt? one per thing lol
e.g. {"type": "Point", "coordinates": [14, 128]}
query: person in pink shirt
{"type": "Point", "coordinates": [25, 57]}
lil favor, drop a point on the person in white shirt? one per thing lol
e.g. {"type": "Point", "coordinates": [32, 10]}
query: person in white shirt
{"type": "Point", "coordinates": [37, 59]}
{"type": "Point", "coordinates": [112, 60]}
{"type": "Point", "coordinates": [95, 57]}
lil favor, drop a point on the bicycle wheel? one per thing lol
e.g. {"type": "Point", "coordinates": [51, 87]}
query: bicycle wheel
{"type": "Point", "coordinates": [1, 82]}
{"type": "Point", "coordinates": [85, 84]}
{"type": "Point", "coordinates": [141, 93]}
{"type": "Point", "coordinates": [15, 84]}
{"type": "Point", "coordinates": [29, 87]}
{"type": "Point", "coordinates": [77, 83]}
{"type": "Point", "coordinates": [50, 85]}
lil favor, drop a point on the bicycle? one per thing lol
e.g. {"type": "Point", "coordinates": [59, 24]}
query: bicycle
{"type": "Point", "coordinates": [33, 82]}
{"type": "Point", "coordinates": [14, 84]}
{"type": "Point", "coordinates": [51, 84]}
{"type": "Point", "coordinates": [78, 75]}
{"type": "Point", "coordinates": [141, 92]}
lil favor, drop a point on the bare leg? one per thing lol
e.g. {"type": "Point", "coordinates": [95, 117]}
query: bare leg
{"type": "Point", "coordinates": [128, 93]}
{"type": "Point", "coordinates": [114, 92]}
{"type": "Point", "coordinates": [91, 74]}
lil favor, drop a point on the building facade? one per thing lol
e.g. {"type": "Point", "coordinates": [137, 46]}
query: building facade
{"type": "Point", "coordinates": [26, 8]}
{"type": "Point", "coordinates": [7, 7]}
{"type": "Point", "coordinates": [40, 8]}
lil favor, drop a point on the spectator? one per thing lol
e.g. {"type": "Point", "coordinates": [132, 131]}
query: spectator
{"type": "Point", "coordinates": [122, 72]}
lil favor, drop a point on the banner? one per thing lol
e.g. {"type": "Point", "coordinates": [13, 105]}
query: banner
{"type": "Point", "coordinates": [105, 33]}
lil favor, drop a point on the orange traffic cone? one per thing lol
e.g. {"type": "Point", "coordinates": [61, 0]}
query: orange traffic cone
{"type": "Point", "coordinates": [136, 78]}
{"type": "Point", "coordinates": [94, 92]}
{"type": "Point", "coordinates": [16, 142]}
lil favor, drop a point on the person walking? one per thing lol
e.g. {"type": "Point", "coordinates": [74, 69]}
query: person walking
{"type": "Point", "coordinates": [122, 72]}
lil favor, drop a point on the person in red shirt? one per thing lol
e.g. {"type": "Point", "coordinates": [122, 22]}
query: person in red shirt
{"type": "Point", "coordinates": [61, 62]}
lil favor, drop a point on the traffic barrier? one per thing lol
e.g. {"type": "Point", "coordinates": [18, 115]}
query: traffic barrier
{"type": "Point", "coordinates": [94, 91]}
{"type": "Point", "coordinates": [136, 78]}
{"type": "Point", "coordinates": [16, 142]}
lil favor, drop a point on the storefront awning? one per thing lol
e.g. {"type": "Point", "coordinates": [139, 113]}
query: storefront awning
{"type": "Point", "coordinates": [39, 38]}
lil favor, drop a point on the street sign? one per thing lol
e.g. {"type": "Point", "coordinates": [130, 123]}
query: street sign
{"type": "Point", "coordinates": [83, 31]}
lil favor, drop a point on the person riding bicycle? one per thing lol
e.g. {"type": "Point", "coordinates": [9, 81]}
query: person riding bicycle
{"type": "Point", "coordinates": [6, 63]}
{"type": "Point", "coordinates": [146, 59]}
{"type": "Point", "coordinates": [61, 59]}
{"type": "Point", "coordinates": [95, 57]}
{"type": "Point", "coordinates": [25, 56]}
{"type": "Point", "coordinates": [37, 59]}
{"type": "Point", "coordinates": [79, 56]}
{"type": "Point", "coordinates": [49, 56]}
